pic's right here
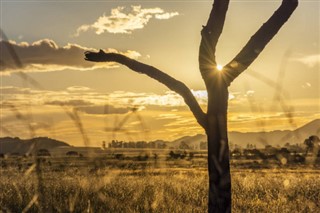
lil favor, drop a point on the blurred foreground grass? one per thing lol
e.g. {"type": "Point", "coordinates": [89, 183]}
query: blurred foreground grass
{"type": "Point", "coordinates": [156, 190]}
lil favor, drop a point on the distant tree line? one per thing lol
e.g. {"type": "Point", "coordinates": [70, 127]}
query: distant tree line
{"type": "Point", "coordinates": [137, 144]}
{"type": "Point", "coordinates": [297, 153]}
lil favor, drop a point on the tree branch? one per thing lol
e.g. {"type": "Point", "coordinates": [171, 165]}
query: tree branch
{"type": "Point", "coordinates": [210, 35]}
{"type": "Point", "coordinates": [170, 82]}
{"type": "Point", "coordinates": [259, 40]}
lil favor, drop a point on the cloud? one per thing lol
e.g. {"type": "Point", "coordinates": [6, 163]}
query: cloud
{"type": "Point", "coordinates": [309, 60]}
{"type": "Point", "coordinates": [166, 108]}
{"type": "Point", "coordinates": [166, 15]}
{"type": "Point", "coordinates": [168, 99]}
{"type": "Point", "coordinates": [306, 85]}
{"type": "Point", "coordinates": [169, 119]}
{"type": "Point", "coordinates": [78, 89]}
{"type": "Point", "coordinates": [46, 55]}
{"type": "Point", "coordinates": [9, 90]}
{"type": "Point", "coordinates": [103, 110]}
{"type": "Point", "coordinates": [123, 21]}
{"type": "Point", "coordinates": [249, 93]}
{"type": "Point", "coordinates": [68, 103]}
{"type": "Point", "coordinates": [202, 96]}
{"type": "Point", "coordinates": [168, 116]}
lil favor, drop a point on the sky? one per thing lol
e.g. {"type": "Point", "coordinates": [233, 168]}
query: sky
{"type": "Point", "coordinates": [56, 93]}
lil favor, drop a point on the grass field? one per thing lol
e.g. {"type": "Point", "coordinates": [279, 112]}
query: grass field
{"type": "Point", "coordinates": [153, 189]}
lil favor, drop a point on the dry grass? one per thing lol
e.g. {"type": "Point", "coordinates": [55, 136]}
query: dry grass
{"type": "Point", "coordinates": [156, 190]}
{"type": "Point", "coordinates": [276, 191]}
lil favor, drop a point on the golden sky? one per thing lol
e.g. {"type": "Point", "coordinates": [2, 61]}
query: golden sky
{"type": "Point", "coordinates": [112, 102]}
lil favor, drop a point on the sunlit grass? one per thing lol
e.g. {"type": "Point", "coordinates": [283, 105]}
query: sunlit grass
{"type": "Point", "coordinates": [159, 190]}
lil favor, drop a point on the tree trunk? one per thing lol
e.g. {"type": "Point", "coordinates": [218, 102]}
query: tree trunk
{"type": "Point", "coordinates": [218, 168]}
{"type": "Point", "coordinates": [218, 148]}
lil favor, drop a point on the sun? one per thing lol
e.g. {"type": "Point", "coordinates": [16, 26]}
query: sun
{"type": "Point", "coordinates": [219, 67]}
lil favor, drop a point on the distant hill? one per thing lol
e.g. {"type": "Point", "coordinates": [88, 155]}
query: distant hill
{"type": "Point", "coordinates": [22, 146]}
{"type": "Point", "coordinates": [192, 141]}
{"type": "Point", "coordinates": [260, 139]}
{"type": "Point", "coordinates": [159, 143]}
{"type": "Point", "coordinates": [312, 128]}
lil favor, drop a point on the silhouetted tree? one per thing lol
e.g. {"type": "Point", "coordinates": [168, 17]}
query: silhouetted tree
{"type": "Point", "coordinates": [217, 81]}
{"type": "Point", "coordinates": [43, 153]}
{"type": "Point", "coordinates": [311, 142]}
{"type": "Point", "coordinates": [174, 155]}
{"type": "Point", "coordinates": [299, 159]}
{"type": "Point", "coordinates": [191, 155]}
{"type": "Point", "coordinates": [253, 154]}
{"type": "Point", "coordinates": [184, 145]}
{"type": "Point", "coordinates": [155, 156]}
{"type": "Point", "coordinates": [144, 157]}
{"type": "Point", "coordinates": [119, 156]}
{"type": "Point", "coordinates": [15, 154]}
{"type": "Point", "coordinates": [236, 153]}
{"type": "Point", "coordinates": [72, 153]}
{"type": "Point", "coordinates": [104, 147]}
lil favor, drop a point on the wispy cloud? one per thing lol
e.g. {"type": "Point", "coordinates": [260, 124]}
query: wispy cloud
{"type": "Point", "coordinates": [123, 21]}
{"type": "Point", "coordinates": [78, 88]}
{"type": "Point", "coordinates": [68, 103]}
{"type": "Point", "coordinates": [166, 15]}
{"type": "Point", "coordinates": [103, 110]}
{"type": "Point", "coordinates": [165, 114]}
{"type": "Point", "coordinates": [46, 55]}
{"type": "Point", "coordinates": [10, 90]}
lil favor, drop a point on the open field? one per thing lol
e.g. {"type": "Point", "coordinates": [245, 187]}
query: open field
{"type": "Point", "coordinates": [172, 187]}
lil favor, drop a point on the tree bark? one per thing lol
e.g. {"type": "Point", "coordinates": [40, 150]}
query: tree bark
{"type": "Point", "coordinates": [219, 199]}
{"type": "Point", "coordinates": [218, 148]}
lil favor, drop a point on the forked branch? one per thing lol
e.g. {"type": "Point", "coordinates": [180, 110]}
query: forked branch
{"type": "Point", "coordinates": [216, 20]}
{"type": "Point", "coordinates": [170, 82]}
{"type": "Point", "coordinates": [259, 40]}
{"type": "Point", "coordinates": [210, 35]}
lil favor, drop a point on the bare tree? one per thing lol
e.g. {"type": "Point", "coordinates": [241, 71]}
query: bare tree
{"type": "Point", "coordinates": [217, 81]}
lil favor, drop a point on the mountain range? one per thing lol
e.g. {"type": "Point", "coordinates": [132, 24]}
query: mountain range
{"type": "Point", "coordinates": [259, 139]}
{"type": "Point", "coordinates": [21, 146]}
